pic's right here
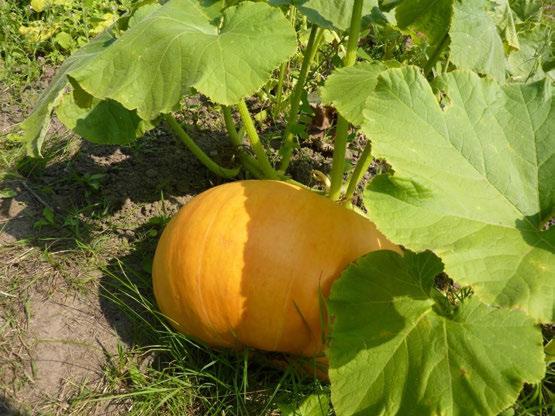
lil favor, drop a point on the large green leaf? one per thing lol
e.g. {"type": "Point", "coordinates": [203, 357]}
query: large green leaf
{"type": "Point", "coordinates": [475, 43]}
{"type": "Point", "coordinates": [348, 89]}
{"type": "Point", "coordinates": [468, 26]}
{"type": "Point", "coordinates": [313, 405]}
{"type": "Point", "coordinates": [36, 125]}
{"type": "Point", "coordinates": [103, 122]}
{"type": "Point", "coordinates": [474, 180]}
{"type": "Point", "coordinates": [526, 9]}
{"type": "Point", "coordinates": [429, 18]}
{"type": "Point", "coordinates": [177, 47]}
{"type": "Point", "coordinates": [505, 21]}
{"type": "Point", "coordinates": [525, 64]}
{"type": "Point", "coordinates": [396, 351]}
{"type": "Point", "coordinates": [328, 13]}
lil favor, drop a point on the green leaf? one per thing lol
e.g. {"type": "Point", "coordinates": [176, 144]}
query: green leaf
{"type": "Point", "coordinates": [474, 181]}
{"type": "Point", "coordinates": [395, 351]}
{"type": "Point", "coordinates": [505, 21]}
{"type": "Point", "coordinates": [176, 48]}
{"type": "Point", "coordinates": [7, 193]}
{"type": "Point", "coordinates": [328, 14]}
{"type": "Point", "coordinates": [526, 9]}
{"type": "Point", "coordinates": [550, 352]}
{"type": "Point", "coordinates": [475, 43]}
{"type": "Point", "coordinates": [36, 125]}
{"type": "Point", "coordinates": [347, 89]}
{"type": "Point", "coordinates": [428, 18]}
{"type": "Point", "coordinates": [313, 405]}
{"type": "Point", "coordinates": [525, 65]}
{"type": "Point", "coordinates": [103, 122]}
{"type": "Point", "coordinates": [65, 40]}
{"type": "Point", "coordinates": [142, 13]}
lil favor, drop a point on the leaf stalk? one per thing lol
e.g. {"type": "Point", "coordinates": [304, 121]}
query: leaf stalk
{"type": "Point", "coordinates": [342, 128]}
{"type": "Point", "coordinates": [362, 166]}
{"type": "Point", "coordinates": [254, 139]}
{"type": "Point", "coordinates": [293, 117]}
{"type": "Point", "coordinates": [198, 152]}
{"type": "Point", "coordinates": [237, 140]}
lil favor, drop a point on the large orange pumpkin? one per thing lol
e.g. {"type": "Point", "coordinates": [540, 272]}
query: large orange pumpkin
{"type": "Point", "coordinates": [246, 263]}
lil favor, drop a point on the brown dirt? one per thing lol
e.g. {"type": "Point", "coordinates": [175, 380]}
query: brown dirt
{"type": "Point", "coordinates": [57, 330]}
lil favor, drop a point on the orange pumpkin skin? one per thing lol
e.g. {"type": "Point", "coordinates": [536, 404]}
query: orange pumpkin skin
{"type": "Point", "coordinates": [246, 263]}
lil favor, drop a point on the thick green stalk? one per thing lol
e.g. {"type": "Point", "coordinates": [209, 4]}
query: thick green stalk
{"type": "Point", "coordinates": [281, 78]}
{"type": "Point", "coordinates": [256, 145]}
{"type": "Point", "coordinates": [342, 127]}
{"type": "Point", "coordinates": [363, 163]}
{"type": "Point", "coordinates": [436, 54]}
{"type": "Point", "coordinates": [292, 118]}
{"type": "Point", "coordinates": [284, 66]}
{"type": "Point", "coordinates": [237, 140]}
{"type": "Point", "coordinates": [197, 151]}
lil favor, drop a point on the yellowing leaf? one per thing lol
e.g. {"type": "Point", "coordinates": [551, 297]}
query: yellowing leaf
{"type": "Point", "coordinates": [36, 32]}
{"type": "Point", "coordinates": [40, 5]}
{"type": "Point", "coordinates": [105, 21]}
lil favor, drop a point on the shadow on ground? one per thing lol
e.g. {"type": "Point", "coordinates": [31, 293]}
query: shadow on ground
{"type": "Point", "coordinates": [102, 208]}
{"type": "Point", "coordinates": [6, 408]}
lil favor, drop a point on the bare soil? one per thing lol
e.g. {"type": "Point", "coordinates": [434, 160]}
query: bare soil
{"type": "Point", "coordinates": [58, 332]}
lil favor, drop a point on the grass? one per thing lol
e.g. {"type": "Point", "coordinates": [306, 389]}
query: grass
{"type": "Point", "coordinates": [173, 375]}
{"type": "Point", "coordinates": [31, 38]}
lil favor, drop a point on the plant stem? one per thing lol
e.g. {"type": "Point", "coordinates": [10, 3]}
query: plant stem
{"type": "Point", "coordinates": [237, 140]}
{"type": "Point", "coordinates": [279, 93]}
{"type": "Point", "coordinates": [284, 66]}
{"type": "Point", "coordinates": [362, 166]}
{"type": "Point", "coordinates": [256, 145]}
{"type": "Point", "coordinates": [435, 55]}
{"type": "Point", "coordinates": [292, 118]}
{"type": "Point", "coordinates": [197, 151]}
{"type": "Point", "coordinates": [342, 127]}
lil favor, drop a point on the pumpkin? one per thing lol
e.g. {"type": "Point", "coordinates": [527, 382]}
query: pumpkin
{"type": "Point", "coordinates": [247, 263]}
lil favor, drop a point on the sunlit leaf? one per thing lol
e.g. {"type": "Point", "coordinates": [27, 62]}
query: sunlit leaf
{"type": "Point", "coordinates": [328, 13]}
{"type": "Point", "coordinates": [347, 89]}
{"type": "Point", "coordinates": [474, 180]}
{"type": "Point", "coordinates": [177, 48]}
